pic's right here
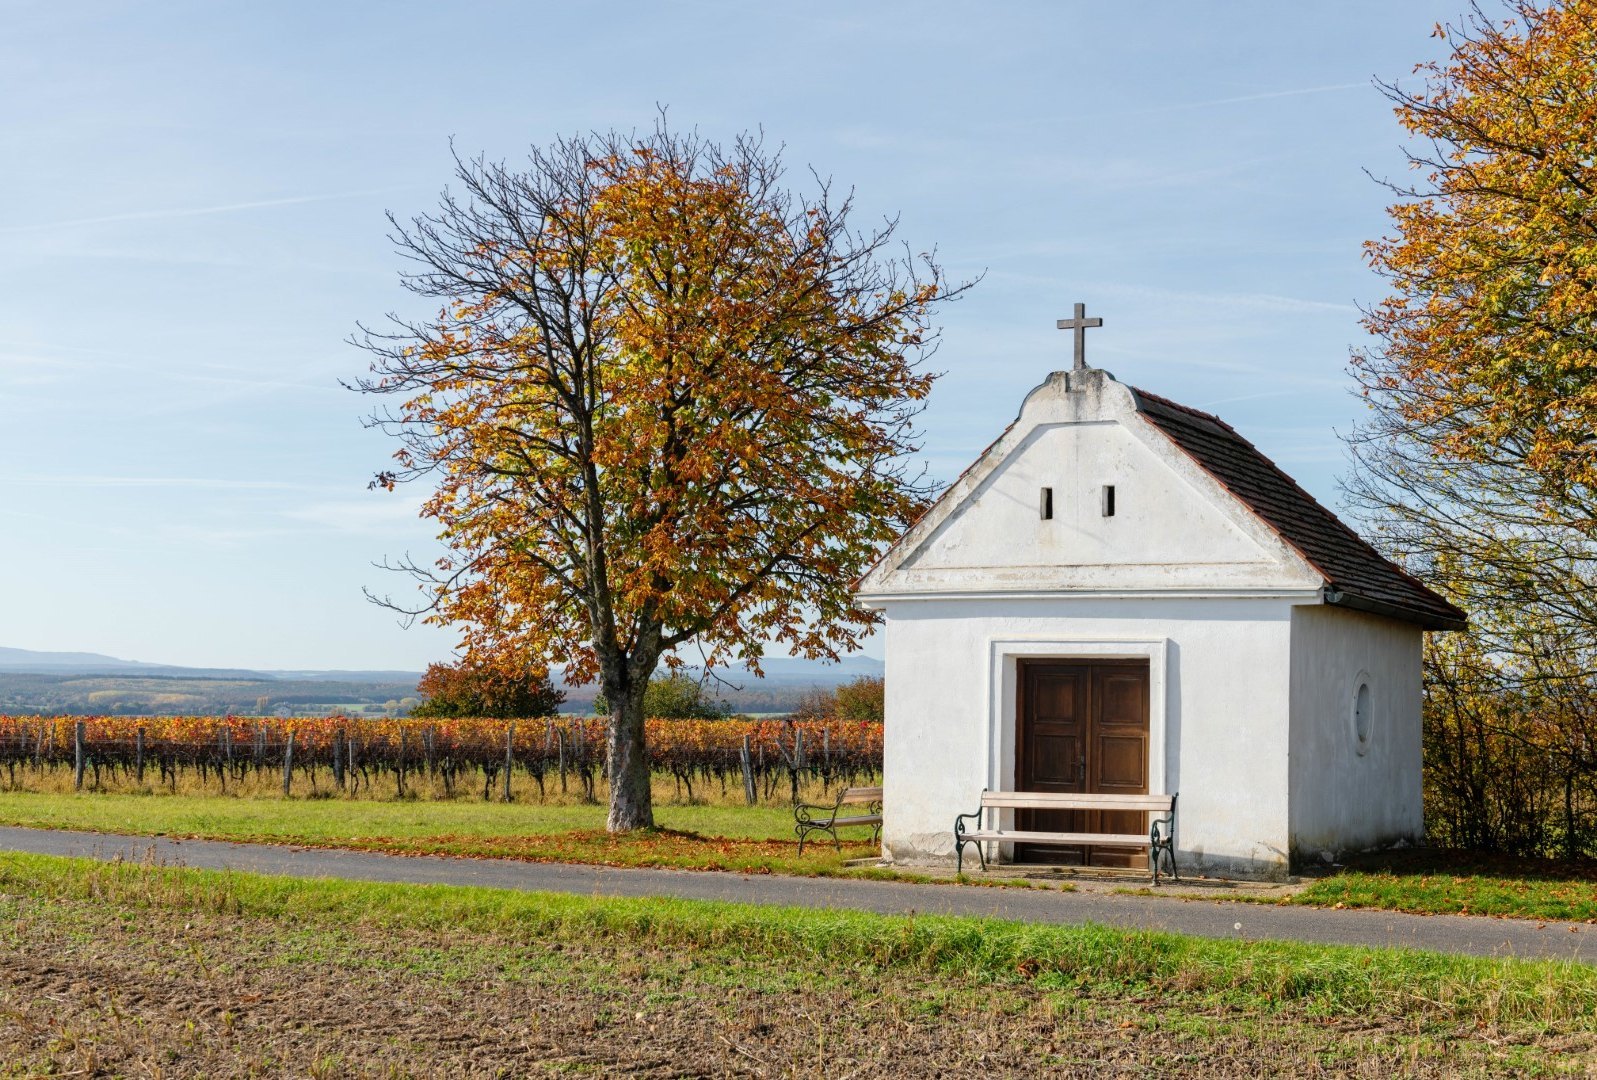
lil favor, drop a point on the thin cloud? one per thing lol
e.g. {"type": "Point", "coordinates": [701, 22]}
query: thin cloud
{"type": "Point", "coordinates": [91, 480]}
{"type": "Point", "coordinates": [13, 512]}
{"type": "Point", "coordinates": [1267, 96]}
{"type": "Point", "coordinates": [1256, 300]}
{"type": "Point", "coordinates": [1244, 397]}
{"type": "Point", "coordinates": [1260, 301]}
{"type": "Point", "coordinates": [196, 211]}
{"type": "Point", "coordinates": [378, 516]}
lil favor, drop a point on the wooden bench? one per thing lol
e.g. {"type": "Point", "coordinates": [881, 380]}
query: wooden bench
{"type": "Point", "coordinates": [1159, 839]}
{"type": "Point", "coordinates": [823, 818]}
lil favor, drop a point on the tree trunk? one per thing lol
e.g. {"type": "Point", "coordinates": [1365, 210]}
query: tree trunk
{"type": "Point", "coordinates": [631, 802]}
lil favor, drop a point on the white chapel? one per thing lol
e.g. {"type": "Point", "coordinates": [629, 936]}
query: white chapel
{"type": "Point", "coordinates": [1124, 595]}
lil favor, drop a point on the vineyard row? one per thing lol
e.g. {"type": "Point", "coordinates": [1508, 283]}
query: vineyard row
{"type": "Point", "coordinates": [360, 756]}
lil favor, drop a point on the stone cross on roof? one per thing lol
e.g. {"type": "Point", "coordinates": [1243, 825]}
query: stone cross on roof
{"type": "Point", "coordinates": [1080, 324]}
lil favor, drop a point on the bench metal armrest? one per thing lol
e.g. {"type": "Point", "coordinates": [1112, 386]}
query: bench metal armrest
{"type": "Point", "coordinates": [960, 841]}
{"type": "Point", "coordinates": [806, 822]}
{"type": "Point", "coordinates": [1161, 838]}
{"type": "Point", "coordinates": [802, 815]}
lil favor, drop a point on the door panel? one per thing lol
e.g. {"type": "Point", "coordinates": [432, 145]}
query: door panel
{"type": "Point", "coordinates": [1083, 727]}
{"type": "Point", "coordinates": [1054, 702]}
{"type": "Point", "coordinates": [1119, 751]}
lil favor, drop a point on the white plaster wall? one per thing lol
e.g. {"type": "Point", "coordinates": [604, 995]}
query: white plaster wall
{"type": "Point", "coordinates": [1341, 799]}
{"type": "Point", "coordinates": [1220, 668]}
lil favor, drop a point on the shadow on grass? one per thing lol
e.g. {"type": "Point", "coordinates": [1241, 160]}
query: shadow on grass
{"type": "Point", "coordinates": [1423, 861]}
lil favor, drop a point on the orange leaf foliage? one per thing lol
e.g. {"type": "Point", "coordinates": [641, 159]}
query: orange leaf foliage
{"type": "Point", "coordinates": [664, 401]}
{"type": "Point", "coordinates": [1490, 334]}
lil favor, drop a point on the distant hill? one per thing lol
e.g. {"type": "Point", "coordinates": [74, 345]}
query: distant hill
{"type": "Point", "coordinates": [62, 662]}
{"type": "Point", "coordinates": [76, 682]}
{"type": "Point", "coordinates": [80, 663]}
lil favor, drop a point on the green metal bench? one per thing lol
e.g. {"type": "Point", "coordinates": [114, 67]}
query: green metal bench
{"type": "Point", "coordinates": [1160, 838]}
{"type": "Point", "coordinates": [825, 818]}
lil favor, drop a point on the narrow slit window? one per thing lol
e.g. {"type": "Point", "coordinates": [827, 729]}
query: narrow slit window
{"type": "Point", "coordinates": [1046, 504]}
{"type": "Point", "coordinates": [1108, 500]}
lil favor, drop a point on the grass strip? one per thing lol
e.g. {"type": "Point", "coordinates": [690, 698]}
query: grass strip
{"type": "Point", "coordinates": [1458, 883]}
{"type": "Point", "coordinates": [744, 840]}
{"type": "Point", "coordinates": [1090, 960]}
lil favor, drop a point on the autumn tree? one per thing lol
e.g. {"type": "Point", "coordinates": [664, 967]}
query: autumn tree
{"type": "Point", "coordinates": [864, 698]}
{"type": "Point", "coordinates": [460, 689]}
{"type": "Point", "coordinates": [664, 400]}
{"type": "Point", "coordinates": [1478, 458]}
{"type": "Point", "coordinates": [861, 698]}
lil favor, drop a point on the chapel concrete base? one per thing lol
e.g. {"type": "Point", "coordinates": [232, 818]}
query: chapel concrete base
{"type": "Point", "coordinates": [1105, 879]}
{"type": "Point", "coordinates": [1196, 864]}
{"type": "Point", "coordinates": [1321, 860]}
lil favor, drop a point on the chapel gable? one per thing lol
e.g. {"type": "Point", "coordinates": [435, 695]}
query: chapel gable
{"type": "Point", "coordinates": [1082, 494]}
{"type": "Point", "coordinates": [1101, 487]}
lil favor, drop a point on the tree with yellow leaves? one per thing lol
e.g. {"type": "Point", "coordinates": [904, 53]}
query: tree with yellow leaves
{"type": "Point", "coordinates": [1479, 457]}
{"type": "Point", "coordinates": [1489, 336]}
{"type": "Point", "coordinates": [665, 402]}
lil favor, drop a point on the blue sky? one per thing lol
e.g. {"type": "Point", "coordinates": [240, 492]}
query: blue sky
{"type": "Point", "coordinates": [191, 222]}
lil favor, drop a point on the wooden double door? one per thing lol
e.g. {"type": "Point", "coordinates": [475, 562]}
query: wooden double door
{"type": "Point", "coordinates": [1083, 728]}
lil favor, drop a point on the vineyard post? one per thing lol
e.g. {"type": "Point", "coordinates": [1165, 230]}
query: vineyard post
{"type": "Point", "coordinates": [587, 762]}
{"type": "Point", "coordinates": [560, 740]}
{"type": "Point", "coordinates": [138, 754]}
{"type": "Point", "coordinates": [510, 760]}
{"type": "Point", "coordinates": [77, 755]}
{"type": "Point", "coordinates": [38, 750]}
{"type": "Point", "coordinates": [288, 763]}
{"type": "Point", "coordinates": [749, 794]}
{"type": "Point", "coordinates": [399, 766]}
{"type": "Point", "coordinates": [798, 760]}
{"type": "Point", "coordinates": [338, 758]}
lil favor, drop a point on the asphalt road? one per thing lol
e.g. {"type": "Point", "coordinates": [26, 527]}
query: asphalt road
{"type": "Point", "coordinates": [1205, 918]}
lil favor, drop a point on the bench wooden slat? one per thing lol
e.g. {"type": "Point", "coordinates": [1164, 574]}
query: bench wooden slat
{"type": "Point", "coordinates": [1019, 837]}
{"type": "Point", "coordinates": [1069, 800]}
{"type": "Point", "coordinates": [862, 794]}
{"type": "Point", "coordinates": [869, 819]}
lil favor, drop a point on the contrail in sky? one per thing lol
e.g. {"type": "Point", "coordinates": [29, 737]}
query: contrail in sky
{"type": "Point", "coordinates": [199, 211]}
{"type": "Point", "coordinates": [1272, 94]}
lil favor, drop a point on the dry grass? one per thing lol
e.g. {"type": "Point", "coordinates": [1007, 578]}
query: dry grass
{"type": "Point", "coordinates": [267, 783]}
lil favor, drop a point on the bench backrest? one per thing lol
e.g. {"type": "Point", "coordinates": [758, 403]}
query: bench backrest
{"type": "Point", "coordinates": [862, 795]}
{"type": "Point", "coordinates": [1071, 800]}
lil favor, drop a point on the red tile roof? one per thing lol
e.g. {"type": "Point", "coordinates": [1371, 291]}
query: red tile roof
{"type": "Point", "coordinates": [1356, 575]}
